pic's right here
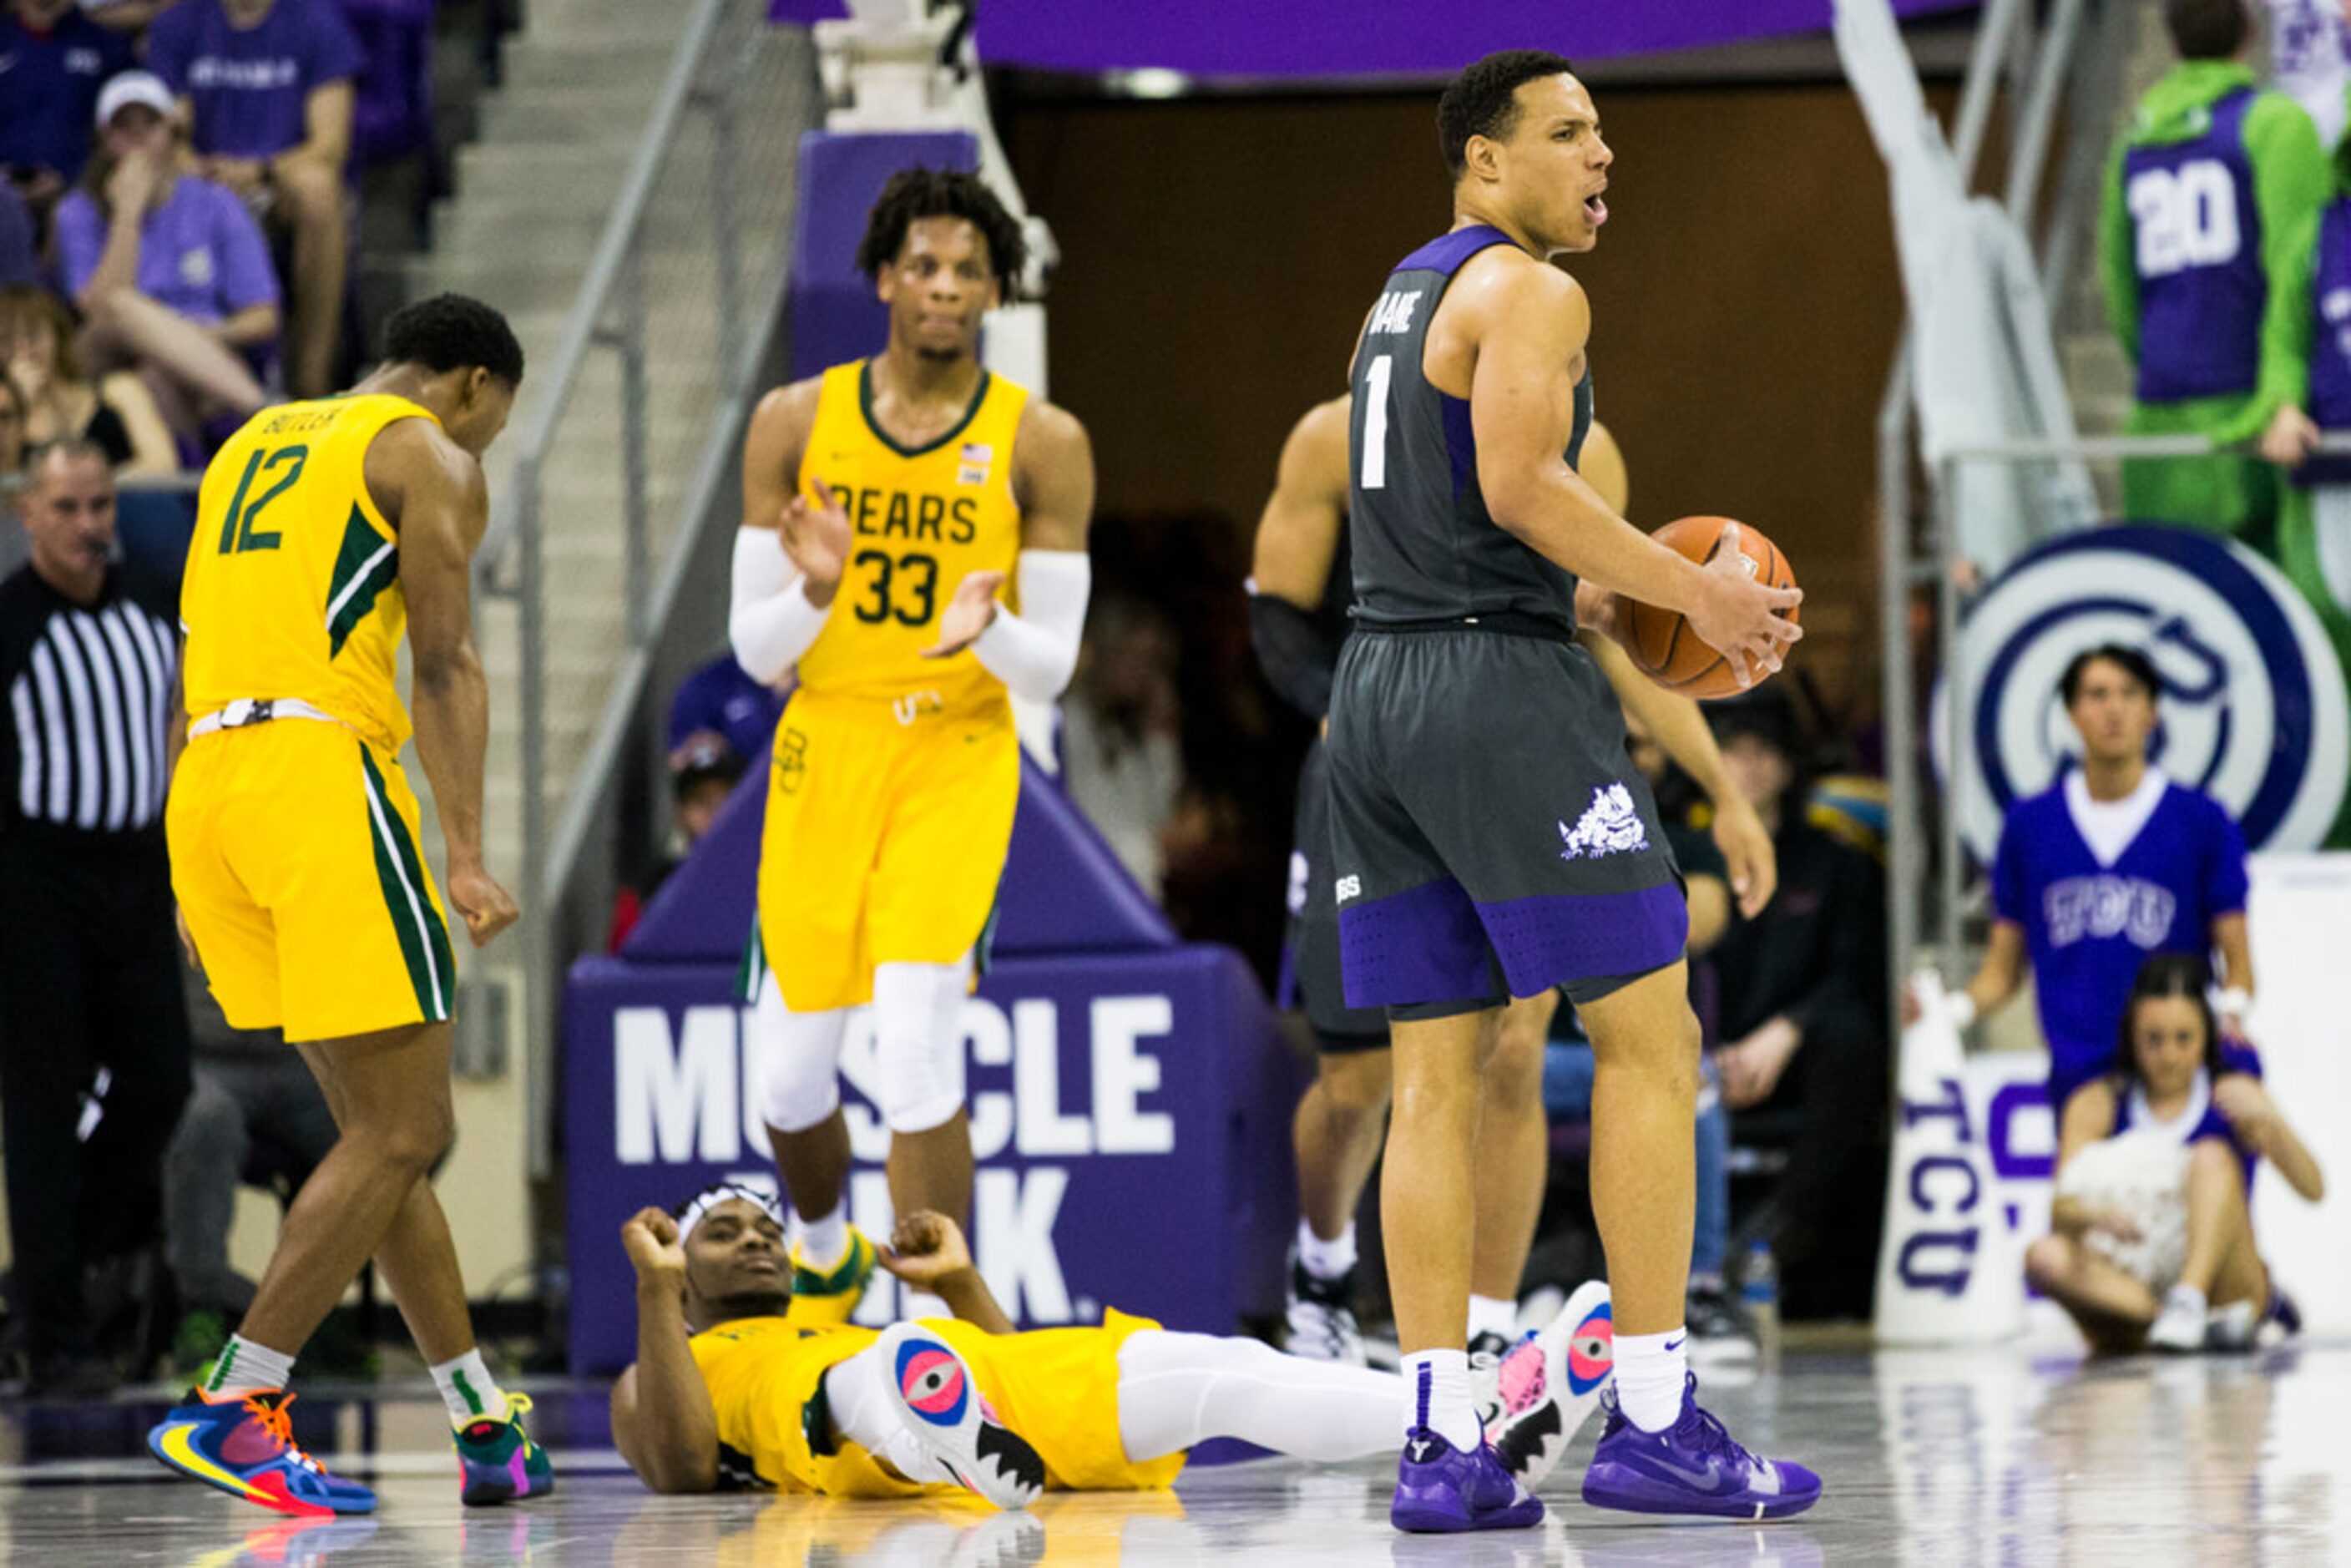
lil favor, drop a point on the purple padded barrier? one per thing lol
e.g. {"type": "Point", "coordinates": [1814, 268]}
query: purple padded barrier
{"type": "Point", "coordinates": [1063, 891]}
{"type": "Point", "coordinates": [834, 316]}
{"type": "Point", "coordinates": [1351, 38]}
{"type": "Point", "coordinates": [1130, 1113]}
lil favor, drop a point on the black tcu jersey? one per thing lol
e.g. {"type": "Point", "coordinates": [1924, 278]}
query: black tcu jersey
{"type": "Point", "coordinates": [1490, 837]}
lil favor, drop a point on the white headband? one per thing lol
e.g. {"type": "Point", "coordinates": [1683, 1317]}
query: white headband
{"type": "Point", "coordinates": [690, 1213]}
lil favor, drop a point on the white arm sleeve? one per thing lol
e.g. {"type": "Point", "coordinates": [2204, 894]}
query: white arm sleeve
{"type": "Point", "coordinates": [1034, 652]}
{"type": "Point", "coordinates": [772, 623]}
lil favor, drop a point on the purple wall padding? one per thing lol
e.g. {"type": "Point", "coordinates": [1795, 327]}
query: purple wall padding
{"type": "Point", "coordinates": [1063, 892]}
{"type": "Point", "coordinates": [1353, 38]}
{"type": "Point", "coordinates": [833, 315]}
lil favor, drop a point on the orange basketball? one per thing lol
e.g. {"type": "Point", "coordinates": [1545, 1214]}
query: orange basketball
{"type": "Point", "coordinates": [1661, 642]}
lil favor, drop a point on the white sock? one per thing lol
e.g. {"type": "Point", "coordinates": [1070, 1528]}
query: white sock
{"type": "Point", "coordinates": [1326, 1260]}
{"type": "Point", "coordinates": [1491, 1314]}
{"type": "Point", "coordinates": [1651, 1369]}
{"type": "Point", "coordinates": [469, 1391]}
{"type": "Point", "coordinates": [244, 1367]}
{"type": "Point", "coordinates": [824, 1240]}
{"type": "Point", "coordinates": [2190, 1294]}
{"type": "Point", "coordinates": [1436, 1396]}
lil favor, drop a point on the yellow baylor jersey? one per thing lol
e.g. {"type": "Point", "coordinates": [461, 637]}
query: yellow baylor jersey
{"type": "Point", "coordinates": [921, 519]}
{"type": "Point", "coordinates": [292, 587]}
{"type": "Point", "coordinates": [762, 1373]}
{"type": "Point", "coordinates": [1056, 1388]}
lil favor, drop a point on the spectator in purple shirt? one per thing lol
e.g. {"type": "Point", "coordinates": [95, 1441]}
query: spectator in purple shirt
{"type": "Point", "coordinates": [52, 61]}
{"type": "Point", "coordinates": [185, 290]}
{"type": "Point", "coordinates": [265, 88]}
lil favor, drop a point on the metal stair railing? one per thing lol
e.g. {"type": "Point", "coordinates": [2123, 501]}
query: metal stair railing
{"type": "Point", "coordinates": [718, 244]}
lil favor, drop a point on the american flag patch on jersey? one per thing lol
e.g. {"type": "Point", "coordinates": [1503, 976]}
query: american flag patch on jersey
{"type": "Point", "coordinates": [976, 458]}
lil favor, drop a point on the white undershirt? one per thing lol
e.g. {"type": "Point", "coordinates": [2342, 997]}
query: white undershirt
{"type": "Point", "coordinates": [2110, 826]}
{"type": "Point", "coordinates": [2179, 1126]}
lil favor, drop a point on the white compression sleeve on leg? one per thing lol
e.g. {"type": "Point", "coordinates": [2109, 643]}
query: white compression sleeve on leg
{"type": "Point", "coordinates": [800, 1060]}
{"type": "Point", "coordinates": [1033, 653]}
{"type": "Point", "coordinates": [1177, 1391]}
{"type": "Point", "coordinates": [918, 1042]}
{"type": "Point", "coordinates": [771, 623]}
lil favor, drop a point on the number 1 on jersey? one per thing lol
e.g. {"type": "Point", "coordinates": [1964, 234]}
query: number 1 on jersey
{"type": "Point", "coordinates": [1375, 422]}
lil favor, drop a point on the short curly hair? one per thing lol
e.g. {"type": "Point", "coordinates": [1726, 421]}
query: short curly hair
{"type": "Point", "coordinates": [920, 192]}
{"type": "Point", "coordinates": [454, 332]}
{"type": "Point", "coordinates": [1483, 101]}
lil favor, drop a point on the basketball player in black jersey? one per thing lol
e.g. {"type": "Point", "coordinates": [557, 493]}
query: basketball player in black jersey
{"type": "Point", "coordinates": [1490, 838]}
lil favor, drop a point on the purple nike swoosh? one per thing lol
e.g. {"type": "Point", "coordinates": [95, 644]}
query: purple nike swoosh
{"type": "Point", "coordinates": [1676, 1345]}
{"type": "Point", "coordinates": [1709, 1477]}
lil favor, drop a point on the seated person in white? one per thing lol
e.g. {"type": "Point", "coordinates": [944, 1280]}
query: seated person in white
{"type": "Point", "coordinates": [2151, 1239]}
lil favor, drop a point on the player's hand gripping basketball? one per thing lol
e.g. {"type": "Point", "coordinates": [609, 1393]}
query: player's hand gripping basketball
{"type": "Point", "coordinates": [1739, 617]}
{"type": "Point", "coordinates": [817, 537]}
{"type": "Point", "coordinates": [967, 614]}
{"type": "Point", "coordinates": [927, 1247]}
{"type": "Point", "coordinates": [657, 1252]}
{"type": "Point", "coordinates": [487, 908]}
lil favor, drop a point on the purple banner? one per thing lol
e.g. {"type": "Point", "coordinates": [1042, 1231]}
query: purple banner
{"type": "Point", "coordinates": [1350, 38]}
{"type": "Point", "coordinates": [1131, 1117]}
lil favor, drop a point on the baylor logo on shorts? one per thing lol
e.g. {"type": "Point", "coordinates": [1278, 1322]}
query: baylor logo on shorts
{"type": "Point", "coordinates": [791, 761]}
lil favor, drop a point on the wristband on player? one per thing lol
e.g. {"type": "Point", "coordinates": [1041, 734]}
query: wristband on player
{"type": "Point", "coordinates": [1960, 1008]}
{"type": "Point", "coordinates": [2234, 1002]}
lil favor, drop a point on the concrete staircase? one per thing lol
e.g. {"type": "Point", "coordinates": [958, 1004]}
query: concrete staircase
{"type": "Point", "coordinates": [2097, 371]}
{"type": "Point", "coordinates": [533, 197]}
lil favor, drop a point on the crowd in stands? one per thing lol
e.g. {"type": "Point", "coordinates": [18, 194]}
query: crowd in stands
{"type": "Point", "coordinates": [2225, 249]}
{"type": "Point", "coordinates": [179, 207]}
{"type": "Point", "coordinates": [179, 187]}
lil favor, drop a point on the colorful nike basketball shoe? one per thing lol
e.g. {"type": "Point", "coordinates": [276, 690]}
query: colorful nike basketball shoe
{"type": "Point", "coordinates": [245, 1446]}
{"type": "Point", "coordinates": [1691, 1468]}
{"type": "Point", "coordinates": [941, 1409]}
{"type": "Point", "coordinates": [499, 1463]}
{"type": "Point", "coordinates": [1548, 1385]}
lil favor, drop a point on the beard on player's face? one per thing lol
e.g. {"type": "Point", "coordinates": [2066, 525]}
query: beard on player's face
{"type": "Point", "coordinates": [939, 289]}
{"type": "Point", "coordinates": [735, 1265]}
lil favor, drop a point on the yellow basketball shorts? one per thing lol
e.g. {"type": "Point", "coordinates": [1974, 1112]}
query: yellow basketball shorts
{"type": "Point", "coordinates": [885, 840]}
{"type": "Point", "coordinates": [295, 859]}
{"type": "Point", "coordinates": [1058, 1388]}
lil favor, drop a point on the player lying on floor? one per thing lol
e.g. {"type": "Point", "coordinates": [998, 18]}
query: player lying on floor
{"type": "Point", "coordinates": [729, 1391]}
{"type": "Point", "coordinates": [2151, 1236]}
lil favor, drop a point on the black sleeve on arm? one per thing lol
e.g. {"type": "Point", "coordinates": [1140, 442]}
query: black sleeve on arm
{"type": "Point", "coordinates": [1298, 659]}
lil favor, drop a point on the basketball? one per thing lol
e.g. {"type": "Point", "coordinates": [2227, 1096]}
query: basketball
{"type": "Point", "coordinates": [1661, 642]}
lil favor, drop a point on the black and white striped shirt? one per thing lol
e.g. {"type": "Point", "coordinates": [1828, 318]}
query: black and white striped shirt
{"type": "Point", "coordinates": [89, 690]}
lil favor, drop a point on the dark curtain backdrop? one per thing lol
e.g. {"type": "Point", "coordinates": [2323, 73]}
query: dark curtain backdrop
{"type": "Point", "coordinates": [1218, 255]}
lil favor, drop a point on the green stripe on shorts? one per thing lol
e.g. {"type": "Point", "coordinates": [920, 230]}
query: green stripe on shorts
{"type": "Point", "coordinates": [753, 969]}
{"type": "Point", "coordinates": [400, 872]}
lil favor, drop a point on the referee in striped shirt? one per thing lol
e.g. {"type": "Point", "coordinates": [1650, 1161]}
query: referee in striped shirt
{"type": "Point", "coordinates": [93, 1034]}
